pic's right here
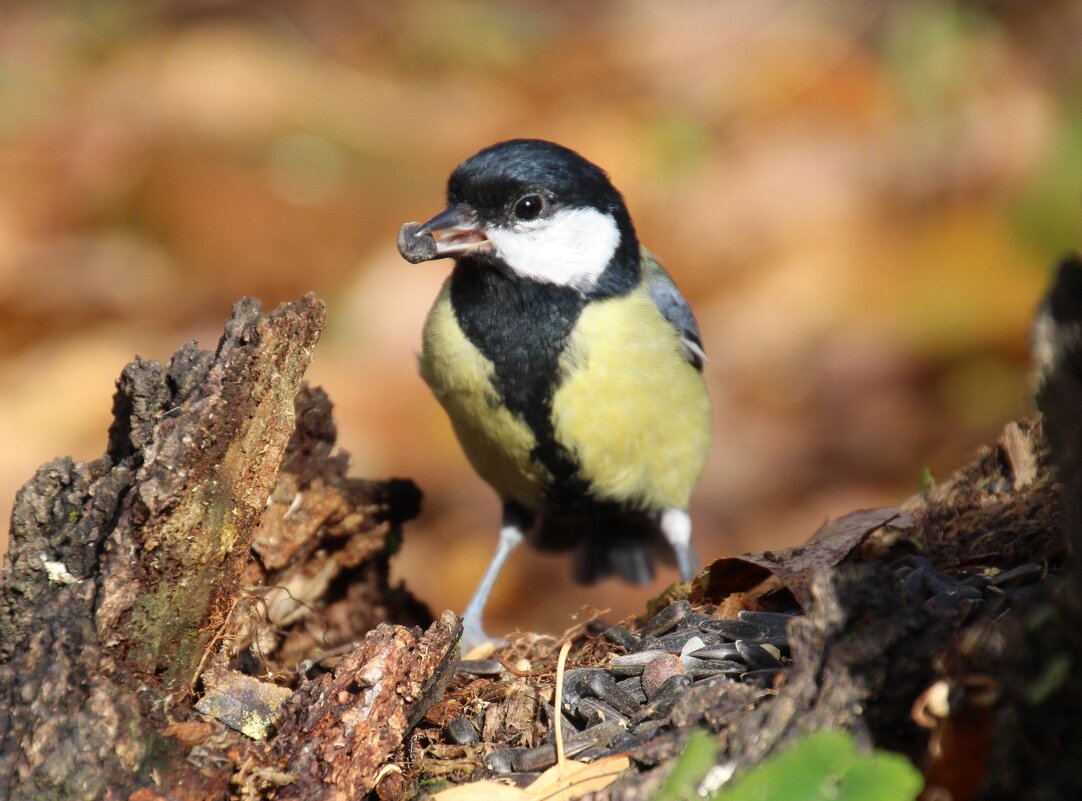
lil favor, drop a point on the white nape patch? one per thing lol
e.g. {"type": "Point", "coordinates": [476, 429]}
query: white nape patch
{"type": "Point", "coordinates": [571, 248]}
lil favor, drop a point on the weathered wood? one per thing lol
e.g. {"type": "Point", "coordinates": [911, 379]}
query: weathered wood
{"type": "Point", "coordinates": [859, 657]}
{"type": "Point", "coordinates": [121, 571]}
{"type": "Point", "coordinates": [1034, 740]}
{"type": "Point", "coordinates": [350, 722]}
{"type": "Point", "coordinates": [321, 527]}
{"type": "Point", "coordinates": [219, 558]}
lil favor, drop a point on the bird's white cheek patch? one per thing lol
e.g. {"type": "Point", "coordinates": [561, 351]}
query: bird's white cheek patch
{"type": "Point", "coordinates": [571, 248]}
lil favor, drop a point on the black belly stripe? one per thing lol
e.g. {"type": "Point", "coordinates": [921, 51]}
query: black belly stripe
{"type": "Point", "coordinates": [522, 327]}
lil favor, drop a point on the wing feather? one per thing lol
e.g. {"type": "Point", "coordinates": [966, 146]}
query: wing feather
{"type": "Point", "coordinates": [674, 308]}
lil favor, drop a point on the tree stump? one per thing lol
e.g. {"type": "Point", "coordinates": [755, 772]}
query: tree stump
{"type": "Point", "coordinates": [205, 613]}
{"type": "Point", "coordinates": [219, 524]}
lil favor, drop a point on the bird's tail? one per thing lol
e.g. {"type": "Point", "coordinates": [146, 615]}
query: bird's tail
{"type": "Point", "coordinates": [626, 545]}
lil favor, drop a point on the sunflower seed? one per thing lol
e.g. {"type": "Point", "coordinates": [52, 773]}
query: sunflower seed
{"type": "Point", "coordinates": [633, 664]}
{"type": "Point", "coordinates": [978, 580]}
{"type": "Point", "coordinates": [732, 629]}
{"type": "Point", "coordinates": [603, 686]}
{"type": "Point", "coordinates": [723, 651]}
{"type": "Point", "coordinates": [915, 583]}
{"type": "Point", "coordinates": [648, 644]}
{"type": "Point", "coordinates": [662, 703]}
{"type": "Point", "coordinates": [480, 667]}
{"type": "Point", "coordinates": [949, 604]}
{"type": "Point", "coordinates": [578, 684]}
{"type": "Point", "coordinates": [694, 644]}
{"type": "Point", "coordinates": [1023, 574]}
{"type": "Point", "coordinates": [757, 657]}
{"type": "Point", "coordinates": [666, 619]}
{"type": "Point", "coordinates": [594, 711]}
{"type": "Point", "coordinates": [764, 678]}
{"type": "Point", "coordinates": [772, 624]}
{"type": "Point", "coordinates": [633, 687]}
{"type": "Point", "coordinates": [499, 761]}
{"type": "Point", "coordinates": [531, 760]}
{"type": "Point", "coordinates": [723, 667]}
{"type": "Point", "coordinates": [675, 641]}
{"type": "Point", "coordinates": [460, 731]}
{"type": "Point", "coordinates": [673, 687]}
{"type": "Point", "coordinates": [781, 643]}
{"type": "Point", "coordinates": [618, 635]}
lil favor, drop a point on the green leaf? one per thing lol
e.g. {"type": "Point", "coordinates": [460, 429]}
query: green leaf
{"type": "Point", "coordinates": [823, 766]}
{"type": "Point", "coordinates": [826, 766]}
{"type": "Point", "coordinates": [699, 756]}
{"type": "Point", "coordinates": [926, 482]}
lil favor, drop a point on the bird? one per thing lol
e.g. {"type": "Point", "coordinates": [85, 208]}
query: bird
{"type": "Point", "coordinates": [568, 362]}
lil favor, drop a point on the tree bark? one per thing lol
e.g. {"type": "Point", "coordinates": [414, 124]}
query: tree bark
{"type": "Point", "coordinates": [214, 534]}
{"type": "Point", "coordinates": [205, 613]}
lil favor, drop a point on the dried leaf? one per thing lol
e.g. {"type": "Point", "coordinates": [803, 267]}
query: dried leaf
{"type": "Point", "coordinates": [189, 732]}
{"type": "Point", "coordinates": [578, 779]}
{"type": "Point", "coordinates": [244, 703]}
{"type": "Point", "coordinates": [1021, 454]}
{"type": "Point", "coordinates": [486, 790]}
{"type": "Point", "coordinates": [794, 568]}
{"type": "Point", "coordinates": [567, 780]}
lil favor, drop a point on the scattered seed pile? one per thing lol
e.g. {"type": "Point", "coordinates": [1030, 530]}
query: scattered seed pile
{"type": "Point", "coordinates": [619, 708]}
{"type": "Point", "coordinates": [927, 629]}
{"type": "Point", "coordinates": [662, 676]}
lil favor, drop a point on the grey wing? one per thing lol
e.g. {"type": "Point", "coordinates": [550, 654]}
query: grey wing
{"type": "Point", "coordinates": [674, 308]}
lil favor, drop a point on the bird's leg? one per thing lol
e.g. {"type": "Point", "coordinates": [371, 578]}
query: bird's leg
{"type": "Point", "coordinates": [513, 528]}
{"type": "Point", "coordinates": [676, 528]}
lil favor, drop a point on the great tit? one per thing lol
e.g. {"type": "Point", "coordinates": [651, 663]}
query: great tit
{"type": "Point", "coordinates": [568, 362]}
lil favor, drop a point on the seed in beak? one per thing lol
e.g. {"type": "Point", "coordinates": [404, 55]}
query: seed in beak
{"type": "Point", "coordinates": [416, 244]}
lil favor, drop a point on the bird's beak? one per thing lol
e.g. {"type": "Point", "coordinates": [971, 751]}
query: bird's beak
{"type": "Point", "coordinates": [456, 231]}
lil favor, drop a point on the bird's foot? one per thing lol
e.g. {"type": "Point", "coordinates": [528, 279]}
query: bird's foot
{"type": "Point", "coordinates": [475, 643]}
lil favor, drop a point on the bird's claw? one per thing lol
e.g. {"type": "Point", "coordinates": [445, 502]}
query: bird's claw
{"type": "Point", "coordinates": [475, 643]}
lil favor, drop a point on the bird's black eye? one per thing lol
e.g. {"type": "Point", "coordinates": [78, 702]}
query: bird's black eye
{"type": "Point", "coordinates": [529, 207]}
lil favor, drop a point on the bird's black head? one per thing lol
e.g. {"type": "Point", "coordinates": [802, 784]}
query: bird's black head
{"type": "Point", "coordinates": [542, 212]}
{"type": "Point", "coordinates": [493, 181]}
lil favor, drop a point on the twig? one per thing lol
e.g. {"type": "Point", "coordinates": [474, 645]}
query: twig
{"type": "Point", "coordinates": [559, 707]}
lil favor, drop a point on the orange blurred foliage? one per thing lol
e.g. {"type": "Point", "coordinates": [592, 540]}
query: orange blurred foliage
{"type": "Point", "coordinates": [861, 202]}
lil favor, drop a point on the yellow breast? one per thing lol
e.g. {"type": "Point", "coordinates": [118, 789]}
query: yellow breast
{"type": "Point", "coordinates": [630, 407]}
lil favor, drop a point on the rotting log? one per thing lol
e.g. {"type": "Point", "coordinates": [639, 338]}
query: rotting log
{"type": "Point", "coordinates": [218, 532]}
{"type": "Point", "coordinates": [352, 720]}
{"type": "Point", "coordinates": [205, 613]}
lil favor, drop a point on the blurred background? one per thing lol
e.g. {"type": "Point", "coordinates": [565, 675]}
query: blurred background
{"type": "Point", "coordinates": [862, 201]}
